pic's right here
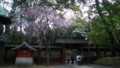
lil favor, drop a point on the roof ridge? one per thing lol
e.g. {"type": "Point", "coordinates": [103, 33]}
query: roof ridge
{"type": "Point", "coordinates": [26, 44]}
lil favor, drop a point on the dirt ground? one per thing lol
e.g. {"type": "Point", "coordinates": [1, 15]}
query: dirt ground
{"type": "Point", "coordinates": [29, 66]}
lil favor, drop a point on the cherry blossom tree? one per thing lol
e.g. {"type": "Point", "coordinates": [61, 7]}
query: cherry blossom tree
{"type": "Point", "coordinates": [39, 22]}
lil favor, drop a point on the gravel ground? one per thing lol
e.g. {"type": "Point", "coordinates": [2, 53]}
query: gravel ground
{"type": "Point", "coordinates": [56, 66]}
{"type": "Point", "coordinates": [88, 66]}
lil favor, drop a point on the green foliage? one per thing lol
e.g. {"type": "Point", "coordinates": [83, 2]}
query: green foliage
{"type": "Point", "coordinates": [116, 19]}
{"type": "Point", "coordinates": [109, 61]}
{"type": "Point", "coordinates": [80, 27]}
{"type": "Point", "coordinates": [45, 3]}
{"type": "Point", "coordinates": [70, 52]}
{"type": "Point", "coordinates": [55, 54]}
{"type": "Point", "coordinates": [35, 54]}
{"type": "Point", "coordinates": [11, 53]}
{"type": "Point", "coordinates": [14, 37]}
{"type": "Point", "coordinates": [74, 7]}
{"type": "Point", "coordinates": [105, 28]}
{"type": "Point", "coordinates": [35, 40]}
{"type": "Point", "coordinates": [98, 33]}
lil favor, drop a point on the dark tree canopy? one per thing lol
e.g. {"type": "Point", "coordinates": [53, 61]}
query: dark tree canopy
{"type": "Point", "coordinates": [5, 20]}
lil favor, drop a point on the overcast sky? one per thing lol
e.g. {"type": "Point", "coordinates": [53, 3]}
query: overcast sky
{"type": "Point", "coordinates": [7, 4]}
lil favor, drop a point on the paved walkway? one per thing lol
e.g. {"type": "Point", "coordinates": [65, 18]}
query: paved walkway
{"type": "Point", "coordinates": [85, 66]}
{"type": "Point", "coordinates": [56, 66]}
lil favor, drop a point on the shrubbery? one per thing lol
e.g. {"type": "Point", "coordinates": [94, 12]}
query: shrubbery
{"type": "Point", "coordinates": [108, 61]}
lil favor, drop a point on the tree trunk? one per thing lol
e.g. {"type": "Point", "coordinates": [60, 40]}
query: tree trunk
{"type": "Point", "coordinates": [98, 8]}
{"type": "Point", "coordinates": [1, 29]}
{"type": "Point", "coordinates": [7, 29]}
{"type": "Point", "coordinates": [48, 55]}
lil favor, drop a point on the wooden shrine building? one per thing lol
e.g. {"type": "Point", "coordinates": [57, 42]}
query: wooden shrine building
{"type": "Point", "coordinates": [24, 53]}
{"type": "Point", "coordinates": [57, 51]}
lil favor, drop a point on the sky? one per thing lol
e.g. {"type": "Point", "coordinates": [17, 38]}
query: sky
{"type": "Point", "coordinates": [84, 8]}
{"type": "Point", "coordinates": [6, 4]}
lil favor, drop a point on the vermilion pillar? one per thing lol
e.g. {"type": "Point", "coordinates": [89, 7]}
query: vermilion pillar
{"type": "Point", "coordinates": [81, 50]}
{"type": "Point", "coordinates": [63, 55]}
{"type": "Point", "coordinates": [39, 55]}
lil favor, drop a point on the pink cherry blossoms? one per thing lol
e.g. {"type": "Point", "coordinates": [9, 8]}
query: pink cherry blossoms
{"type": "Point", "coordinates": [38, 19]}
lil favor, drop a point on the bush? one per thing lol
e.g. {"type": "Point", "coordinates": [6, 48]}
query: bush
{"type": "Point", "coordinates": [108, 61]}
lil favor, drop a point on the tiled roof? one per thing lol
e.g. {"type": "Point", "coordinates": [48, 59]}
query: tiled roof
{"type": "Point", "coordinates": [24, 44]}
{"type": "Point", "coordinates": [71, 41]}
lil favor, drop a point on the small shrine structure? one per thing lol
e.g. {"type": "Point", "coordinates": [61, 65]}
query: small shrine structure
{"type": "Point", "coordinates": [24, 53]}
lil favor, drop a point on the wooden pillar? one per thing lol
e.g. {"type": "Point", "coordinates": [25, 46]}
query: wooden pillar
{"type": "Point", "coordinates": [113, 52]}
{"type": "Point", "coordinates": [5, 55]}
{"type": "Point", "coordinates": [118, 52]}
{"type": "Point", "coordinates": [88, 57]}
{"type": "Point", "coordinates": [39, 56]}
{"type": "Point", "coordinates": [81, 51]}
{"type": "Point", "coordinates": [63, 55]}
{"type": "Point", "coordinates": [105, 53]}
{"type": "Point", "coordinates": [97, 51]}
{"type": "Point", "coordinates": [78, 51]}
{"type": "Point", "coordinates": [88, 50]}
